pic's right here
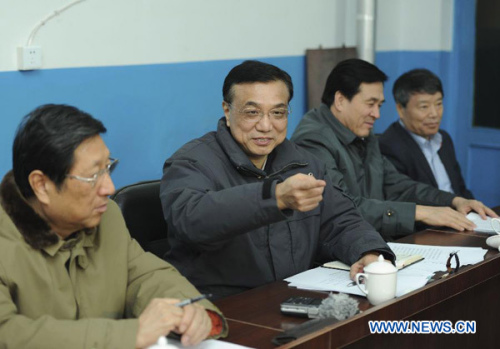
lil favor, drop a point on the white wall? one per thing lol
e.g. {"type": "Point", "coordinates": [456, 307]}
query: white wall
{"type": "Point", "coordinates": [414, 25]}
{"type": "Point", "coordinates": [129, 32]}
{"type": "Point", "coordinates": [213, 35]}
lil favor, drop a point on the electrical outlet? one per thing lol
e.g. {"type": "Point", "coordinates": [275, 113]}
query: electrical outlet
{"type": "Point", "coordinates": [29, 57]}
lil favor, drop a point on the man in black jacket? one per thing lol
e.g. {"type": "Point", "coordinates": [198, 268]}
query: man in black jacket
{"type": "Point", "coordinates": [415, 144]}
{"type": "Point", "coordinates": [245, 206]}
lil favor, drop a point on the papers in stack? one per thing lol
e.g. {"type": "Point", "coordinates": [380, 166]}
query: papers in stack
{"type": "Point", "coordinates": [438, 255]}
{"type": "Point", "coordinates": [409, 278]}
{"type": "Point", "coordinates": [327, 279]}
{"type": "Point", "coordinates": [206, 344]}
{"type": "Point", "coordinates": [483, 226]}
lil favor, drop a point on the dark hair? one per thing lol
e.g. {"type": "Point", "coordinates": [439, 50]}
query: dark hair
{"type": "Point", "coordinates": [46, 140]}
{"type": "Point", "coordinates": [347, 76]}
{"type": "Point", "coordinates": [254, 71]}
{"type": "Point", "coordinates": [415, 81]}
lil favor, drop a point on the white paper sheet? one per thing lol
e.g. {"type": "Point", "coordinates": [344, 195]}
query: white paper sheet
{"type": "Point", "coordinates": [206, 344]}
{"type": "Point", "coordinates": [327, 279]}
{"type": "Point", "coordinates": [439, 254]}
{"type": "Point", "coordinates": [483, 226]}
{"type": "Point", "coordinates": [408, 279]}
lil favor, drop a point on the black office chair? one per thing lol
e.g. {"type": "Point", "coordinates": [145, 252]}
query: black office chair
{"type": "Point", "coordinates": [141, 207]}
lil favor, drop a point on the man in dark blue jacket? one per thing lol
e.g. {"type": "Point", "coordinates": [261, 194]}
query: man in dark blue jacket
{"type": "Point", "coordinates": [246, 207]}
{"type": "Point", "coordinates": [415, 144]}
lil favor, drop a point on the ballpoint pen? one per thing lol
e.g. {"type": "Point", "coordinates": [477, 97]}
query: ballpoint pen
{"type": "Point", "coordinates": [192, 300]}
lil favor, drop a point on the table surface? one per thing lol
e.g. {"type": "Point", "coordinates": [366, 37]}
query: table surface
{"type": "Point", "coordinates": [255, 326]}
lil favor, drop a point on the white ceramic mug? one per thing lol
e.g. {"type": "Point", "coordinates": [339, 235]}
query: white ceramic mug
{"type": "Point", "coordinates": [380, 281]}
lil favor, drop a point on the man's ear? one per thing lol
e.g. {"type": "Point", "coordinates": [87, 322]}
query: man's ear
{"type": "Point", "coordinates": [40, 185]}
{"type": "Point", "coordinates": [401, 110]}
{"type": "Point", "coordinates": [225, 107]}
{"type": "Point", "coordinates": [339, 100]}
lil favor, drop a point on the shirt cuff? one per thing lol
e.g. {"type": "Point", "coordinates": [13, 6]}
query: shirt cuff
{"type": "Point", "coordinates": [217, 323]}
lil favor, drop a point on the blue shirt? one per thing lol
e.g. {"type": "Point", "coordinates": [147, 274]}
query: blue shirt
{"type": "Point", "coordinates": [430, 148]}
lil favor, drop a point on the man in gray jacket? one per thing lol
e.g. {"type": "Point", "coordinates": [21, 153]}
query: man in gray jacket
{"type": "Point", "coordinates": [339, 133]}
{"type": "Point", "coordinates": [246, 207]}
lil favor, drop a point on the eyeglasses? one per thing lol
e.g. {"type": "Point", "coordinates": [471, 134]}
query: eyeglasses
{"type": "Point", "coordinates": [98, 175]}
{"type": "Point", "coordinates": [254, 115]}
{"type": "Point", "coordinates": [449, 268]}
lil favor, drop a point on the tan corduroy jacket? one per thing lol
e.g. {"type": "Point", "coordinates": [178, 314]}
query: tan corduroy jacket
{"type": "Point", "coordinates": [80, 293]}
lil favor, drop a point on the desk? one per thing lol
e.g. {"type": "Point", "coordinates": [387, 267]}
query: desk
{"type": "Point", "coordinates": [471, 294]}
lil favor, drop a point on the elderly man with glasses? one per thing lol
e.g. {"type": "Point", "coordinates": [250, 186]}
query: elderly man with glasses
{"type": "Point", "coordinates": [70, 274]}
{"type": "Point", "coordinates": [246, 207]}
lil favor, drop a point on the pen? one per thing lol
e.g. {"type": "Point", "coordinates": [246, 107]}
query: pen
{"type": "Point", "coordinates": [192, 300]}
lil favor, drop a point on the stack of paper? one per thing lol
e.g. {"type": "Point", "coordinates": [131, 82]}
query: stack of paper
{"type": "Point", "coordinates": [327, 279]}
{"type": "Point", "coordinates": [206, 344]}
{"type": "Point", "coordinates": [482, 226]}
{"type": "Point", "coordinates": [409, 278]}
{"type": "Point", "coordinates": [438, 255]}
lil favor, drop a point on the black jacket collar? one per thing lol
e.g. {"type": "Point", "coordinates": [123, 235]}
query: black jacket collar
{"type": "Point", "coordinates": [345, 135]}
{"type": "Point", "coordinates": [284, 156]}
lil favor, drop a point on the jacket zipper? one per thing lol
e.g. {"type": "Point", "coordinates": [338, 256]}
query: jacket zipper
{"type": "Point", "coordinates": [292, 165]}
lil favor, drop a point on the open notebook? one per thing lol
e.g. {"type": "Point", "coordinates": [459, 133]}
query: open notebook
{"type": "Point", "coordinates": [402, 261]}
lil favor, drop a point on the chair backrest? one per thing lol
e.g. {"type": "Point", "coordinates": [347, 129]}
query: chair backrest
{"type": "Point", "coordinates": [141, 207]}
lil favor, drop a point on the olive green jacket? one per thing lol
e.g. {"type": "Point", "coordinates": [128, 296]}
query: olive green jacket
{"type": "Point", "coordinates": [85, 292]}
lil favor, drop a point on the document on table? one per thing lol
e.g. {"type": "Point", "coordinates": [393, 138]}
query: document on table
{"type": "Point", "coordinates": [483, 226]}
{"type": "Point", "coordinates": [409, 278]}
{"type": "Point", "coordinates": [206, 344]}
{"type": "Point", "coordinates": [439, 254]}
{"type": "Point", "coordinates": [327, 279]}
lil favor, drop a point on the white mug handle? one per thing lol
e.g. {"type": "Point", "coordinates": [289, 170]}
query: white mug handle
{"type": "Point", "coordinates": [495, 225]}
{"type": "Point", "coordinates": [358, 276]}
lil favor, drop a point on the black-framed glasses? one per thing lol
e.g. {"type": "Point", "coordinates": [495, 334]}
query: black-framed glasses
{"type": "Point", "coordinates": [452, 269]}
{"type": "Point", "coordinates": [99, 174]}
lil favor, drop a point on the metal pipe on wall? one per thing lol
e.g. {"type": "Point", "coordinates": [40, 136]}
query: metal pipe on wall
{"type": "Point", "coordinates": [365, 35]}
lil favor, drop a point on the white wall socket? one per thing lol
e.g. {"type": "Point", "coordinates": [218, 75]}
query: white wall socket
{"type": "Point", "coordinates": [29, 57]}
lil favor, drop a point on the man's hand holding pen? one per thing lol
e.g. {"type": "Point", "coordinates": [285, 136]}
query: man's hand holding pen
{"type": "Point", "coordinates": [163, 315]}
{"type": "Point", "coordinates": [300, 192]}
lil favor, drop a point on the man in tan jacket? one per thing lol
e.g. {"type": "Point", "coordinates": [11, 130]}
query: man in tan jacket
{"type": "Point", "coordinates": [70, 274]}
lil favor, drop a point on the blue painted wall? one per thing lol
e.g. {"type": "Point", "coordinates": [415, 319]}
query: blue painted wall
{"type": "Point", "coordinates": [477, 148]}
{"type": "Point", "coordinates": [149, 111]}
